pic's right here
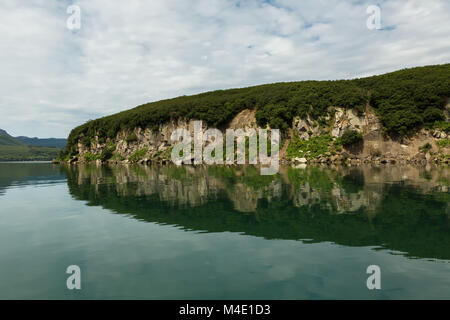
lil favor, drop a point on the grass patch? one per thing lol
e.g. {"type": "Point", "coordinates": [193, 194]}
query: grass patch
{"type": "Point", "coordinates": [138, 155]}
{"type": "Point", "coordinates": [312, 148]}
{"type": "Point", "coordinates": [28, 153]}
{"type": "Point", "coordinates": [444, 143]}
{"type": "Point", "coordinates": [90, 157]}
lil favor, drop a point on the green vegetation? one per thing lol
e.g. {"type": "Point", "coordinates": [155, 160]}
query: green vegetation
{"type": "Point", "coordinates": [27, 153]}
{"type": "Point", "coordinates": [108, 152]}
{"type": "Point", "coordinates": [432, 115]}
{"type": "Point", "coordinates": [312, 148]}
{"type": "Point", "coordinates": [167, 153]}
{"type": "Point", "coordinates": [138, 155]}
{"type": "Point", "coordinates": [37, 142]}
{"type": "Point", "coordinates": [91, 157]}
{"type": "Point", "coordinates": [443, 125]}
{"type": "Point", "coordinates": [426, 147]}
{"type": "Point", "coordinates": [131, 138]}
{"type": "Point", "coordinates": [404, 101]}
{"type": "Point", "coordinates": [118, 157]}
{"type": "Point", "coordinates": [63, 156]}
{"type": "Point", "coordinates": [7, 140]}
{"type": "Point", "coordinates": [350, 137]}
{"type": "Point", "coordinates": [444, 143]}
{"type": "Point", "coordinates": [13, 149]}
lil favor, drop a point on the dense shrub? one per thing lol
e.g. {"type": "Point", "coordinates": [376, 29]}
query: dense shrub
{"type": "Point", "coordinates": [131, 138]}
{"type": "Point", "coordinates": [108, 152]}
{"type": "Point", "coordinates": [426, 147]}
{"type": "Point", "coordinates": [432, 115]}
{"type": "Point", "coordinates": [350, 137]}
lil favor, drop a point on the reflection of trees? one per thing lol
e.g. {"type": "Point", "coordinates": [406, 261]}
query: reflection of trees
{"type": "Point", "coordinates": [395, 209]}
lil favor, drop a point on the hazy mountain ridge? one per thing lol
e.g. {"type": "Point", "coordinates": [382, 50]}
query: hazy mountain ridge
{"type": "Point", "coordinates": [26, 149]}
{"type": "Point", "coordinates": [7, 139]}
{"type": "Point", "coordinates": [45, 142]}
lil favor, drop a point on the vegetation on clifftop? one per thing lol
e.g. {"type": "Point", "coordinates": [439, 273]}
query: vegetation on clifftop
{"type": "Point", "coordinates": [404, 101]}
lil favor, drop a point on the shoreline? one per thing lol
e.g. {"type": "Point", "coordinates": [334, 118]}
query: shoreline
{"type": "Point", "coordinates": [282, 164]}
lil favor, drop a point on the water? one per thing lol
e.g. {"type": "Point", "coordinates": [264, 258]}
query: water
{"type": "Point", "coordinates": [220, 233]}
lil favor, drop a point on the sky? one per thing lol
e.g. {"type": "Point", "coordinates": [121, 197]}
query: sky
{"type": "Point", "coordinates": [55, 76]}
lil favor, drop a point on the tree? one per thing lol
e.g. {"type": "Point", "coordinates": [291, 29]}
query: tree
{"type": "Point", "coordinates": [351, 137]}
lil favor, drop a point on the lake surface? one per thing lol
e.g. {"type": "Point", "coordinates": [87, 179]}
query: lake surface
{"type": "Point", "coordinates": [141, 232]}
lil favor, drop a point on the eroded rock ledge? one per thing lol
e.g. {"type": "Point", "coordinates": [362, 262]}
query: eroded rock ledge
{"type": "Point", "coordinates": [145, 145]}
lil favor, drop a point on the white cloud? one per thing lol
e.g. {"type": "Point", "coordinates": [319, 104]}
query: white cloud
{"type": "Point", "coordinates": [132, 52]}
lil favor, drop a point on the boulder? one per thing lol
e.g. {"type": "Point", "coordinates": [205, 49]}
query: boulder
{"type": "Point", "coordinates": [300, 160]}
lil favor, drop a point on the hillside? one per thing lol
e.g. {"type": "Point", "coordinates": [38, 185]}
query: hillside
{"type": "Point", "coordinates": [404, 102]}
{"type": "Point", "coordinates": [13, 149]}
{"type": "Point", "coordinates": [7, 140]}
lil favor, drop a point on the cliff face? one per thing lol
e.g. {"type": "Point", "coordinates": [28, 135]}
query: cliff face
{"type": "Point", "coordinates": [153, 145]}
{"type": "Point", "coordinates": [145, 145]}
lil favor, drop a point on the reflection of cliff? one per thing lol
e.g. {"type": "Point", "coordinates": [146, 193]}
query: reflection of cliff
{"type": "Point", "coordinates": [339, 191]}
{"type": "Point", "coordinates": [182, 186]}
{"type": "Point", "coordinates": [405, 210]}
{"type": "Point", "coordinates": [352, 189]}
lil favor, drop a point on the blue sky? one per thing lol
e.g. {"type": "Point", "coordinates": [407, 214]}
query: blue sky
{"type": "Point", "coordinates": [132, 52]}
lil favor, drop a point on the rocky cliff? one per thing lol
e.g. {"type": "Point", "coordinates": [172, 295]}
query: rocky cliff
{"type": "Point", "coordinates": [146, 145]}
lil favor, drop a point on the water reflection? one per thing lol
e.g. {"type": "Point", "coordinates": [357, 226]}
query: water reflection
{"type": "Point", "coordinates": [29, 173]}
{"type": "Point", "coordinates": [404, 209]}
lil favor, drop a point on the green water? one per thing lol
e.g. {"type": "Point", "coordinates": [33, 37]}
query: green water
{"type": "Point", "coordinates": [141, 232]}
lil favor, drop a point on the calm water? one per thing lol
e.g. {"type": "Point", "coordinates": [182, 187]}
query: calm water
{"type": "Point", "coordinates": [221, 233]}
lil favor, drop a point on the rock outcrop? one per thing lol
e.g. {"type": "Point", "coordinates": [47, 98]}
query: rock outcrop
{"type": "Point", "coordinates": [145, 145]}
{"type": "Point", "coordinates": [306, 128]}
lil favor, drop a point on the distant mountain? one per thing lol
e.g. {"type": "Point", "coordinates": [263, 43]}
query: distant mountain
{"type": "Point", "coordinates": [26, 149]}
{"type": "Point", "coordinates": [7, 140]}
{"type": "Point", "coordinates": [50, 142]}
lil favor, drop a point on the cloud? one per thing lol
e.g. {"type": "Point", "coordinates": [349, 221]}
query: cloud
{"type": "Point", "coordinates": [132, 52]}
